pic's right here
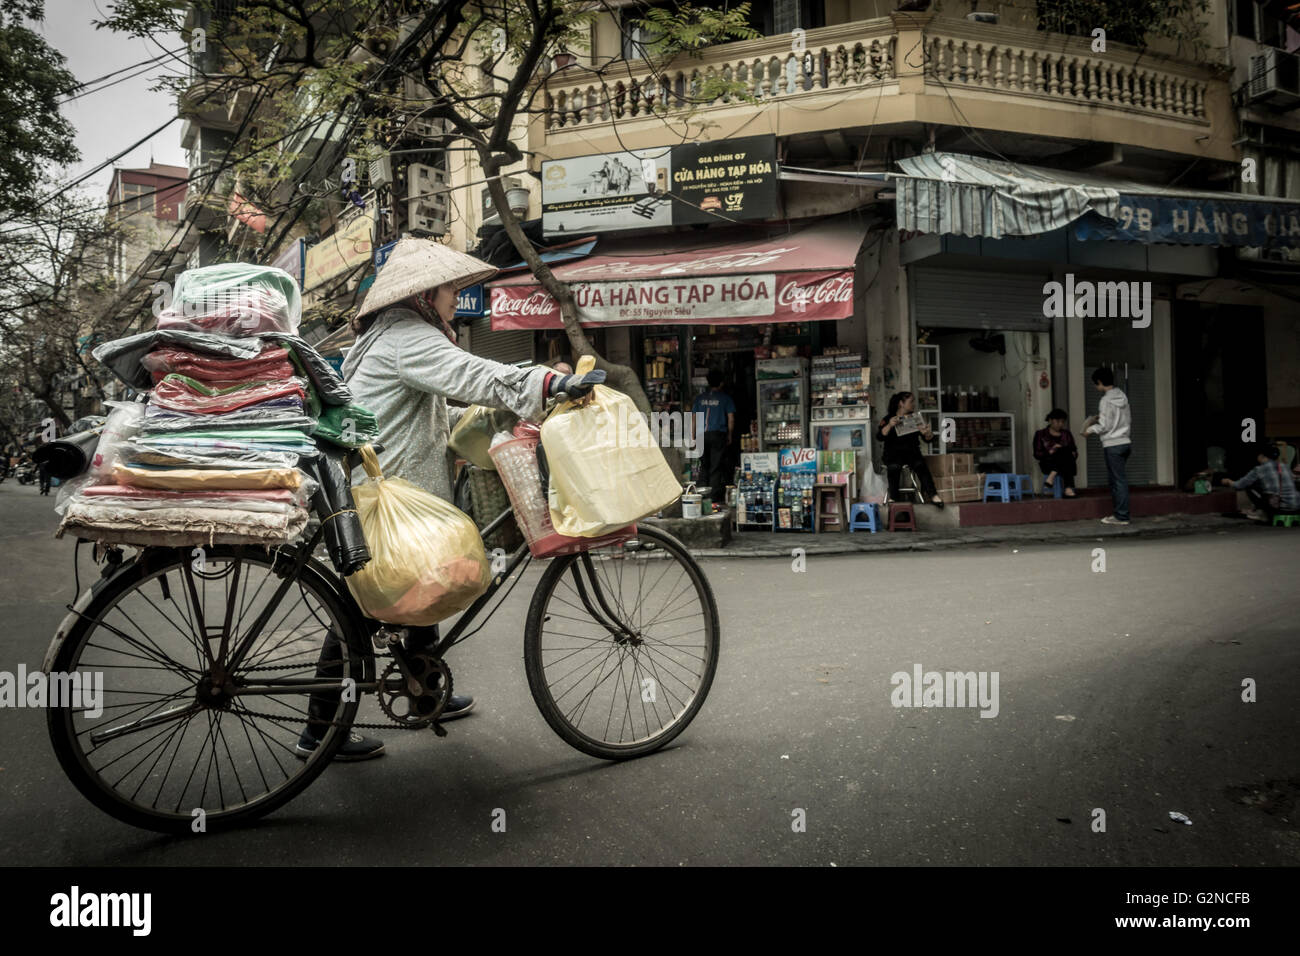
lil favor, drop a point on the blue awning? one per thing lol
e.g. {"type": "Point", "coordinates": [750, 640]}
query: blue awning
{"type": "Point", "coordinates": [950, 193]}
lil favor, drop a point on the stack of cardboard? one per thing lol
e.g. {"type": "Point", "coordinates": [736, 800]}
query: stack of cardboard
{"type": "Point", "coordinates": [955, 477]}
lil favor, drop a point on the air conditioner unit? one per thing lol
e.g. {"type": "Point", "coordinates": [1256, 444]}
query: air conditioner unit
{"type": "Point", "coordinates": [423, 181]}
{"type": "Point", "coordinates": [381, 171]}
{"type": "Point", "coordinates": [428, 127]}
{"type": "Point", "coordinates": [426, 218]}
{"type": "Point", "coordinates": [1275, 78]}
{"type": "Point", "coordinates": [427, 199]}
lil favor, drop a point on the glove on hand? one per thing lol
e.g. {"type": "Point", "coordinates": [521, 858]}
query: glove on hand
{"type": "Point", "coordinates": [576, 386]}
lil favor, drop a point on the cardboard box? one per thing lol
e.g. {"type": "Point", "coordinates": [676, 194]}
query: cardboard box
{"type": "Point", "coordinates": [956, 497]}
{"type": "Point", "coordinates": [960, 482]}
{"type": "Point", "coordinates": [951, 464]}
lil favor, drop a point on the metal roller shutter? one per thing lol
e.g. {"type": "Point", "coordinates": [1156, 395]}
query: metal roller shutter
{"type": "Point", "coordinates": [508, 347]}
{"type": "Point", "coordinates": [963, 299]}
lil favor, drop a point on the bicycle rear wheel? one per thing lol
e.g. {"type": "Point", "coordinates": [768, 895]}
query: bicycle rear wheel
{"type": "Point", "coordinates": [621, 645]}
{"type": "Point", "coordinates": [177, 731]}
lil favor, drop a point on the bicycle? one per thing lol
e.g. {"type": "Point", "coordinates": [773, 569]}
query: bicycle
{"type": "Point", "coordinates": [237, 673]}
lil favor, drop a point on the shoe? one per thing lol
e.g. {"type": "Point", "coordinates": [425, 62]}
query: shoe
{"type": "Point", "coordinates": [938, 504]}
{"type": "Point", "coordinates": [356, 747]}
{"type": "Point", "coordinates": [1068, 493]}
{"type": "Point", "coordinates": [1111, 519]}
{"type": "Point", "coordinates": [458, 706]}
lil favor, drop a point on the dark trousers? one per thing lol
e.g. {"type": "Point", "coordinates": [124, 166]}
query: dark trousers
{"type": "Point", "coordinates": [1259, 498]}
{"type": "Point", "coordinates": [323, 705]}
{"type": "Point", "coordinates": [1063, 463]}
{"type": "Point", "coordinates": [45, 480]}
{"type": "Point", "coordinates": [713, 467]}
{"type": "Point", "coordinates": [1117, 474]}
{"type": "Point", "coordinates": [894, 472]}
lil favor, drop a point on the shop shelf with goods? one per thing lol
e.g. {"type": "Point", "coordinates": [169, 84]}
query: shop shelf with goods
{"type": "Point", "coordinates": [782, 402]}
{"type": "Point", "coordinates": [928, 384]}
{"type": "Point", "coordinates": [756, 490]}
{"type": "Point", "coordinates": [989, 436]}
{"type": "Point", "coordinates": [664, 372]}
{"type": "Point", "coordinates": [841, 407]}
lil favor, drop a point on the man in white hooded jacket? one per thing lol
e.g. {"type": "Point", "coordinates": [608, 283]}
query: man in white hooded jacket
{"type": "Point", "coordinates": [1112, 424]}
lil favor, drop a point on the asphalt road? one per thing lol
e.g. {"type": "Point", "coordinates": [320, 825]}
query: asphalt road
{"type": "Point", "coordinates": [1118, 690]}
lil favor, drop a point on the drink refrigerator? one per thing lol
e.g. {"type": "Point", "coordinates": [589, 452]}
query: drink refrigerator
{"type": "Point", "coordinates": [782, 402]}
{"type": "Point", "coordinates": [845, 428]}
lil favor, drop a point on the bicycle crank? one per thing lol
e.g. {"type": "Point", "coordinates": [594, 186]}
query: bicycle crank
{"type": "Point", "coordinates": [416, 695]}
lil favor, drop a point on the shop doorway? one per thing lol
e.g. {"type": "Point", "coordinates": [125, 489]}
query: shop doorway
{"type": "Point", "coordinates": [1219, 359]}
{"type": "Point", "coordinates": [990, 385]}
{"type": "Point", "coordinates": [1130, 354]}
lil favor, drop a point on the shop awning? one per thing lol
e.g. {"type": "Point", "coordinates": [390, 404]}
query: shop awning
{"type": "Point", "coordinates": [950, 193]}
{"type": "Point", "coordinates": [802, 275]}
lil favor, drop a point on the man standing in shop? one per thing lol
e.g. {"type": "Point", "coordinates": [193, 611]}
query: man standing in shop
{"type": "Point", "coordinates": [1112, 424]}
{"type": "Point", "coordinates": [719, 426]}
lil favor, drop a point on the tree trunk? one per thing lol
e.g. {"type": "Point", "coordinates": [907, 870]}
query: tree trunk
{"type": "Point", "coordinates": [620, 377]}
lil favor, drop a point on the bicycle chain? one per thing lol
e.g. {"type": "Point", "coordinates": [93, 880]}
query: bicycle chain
{"type": "Point", "coordinates": [332, 723]}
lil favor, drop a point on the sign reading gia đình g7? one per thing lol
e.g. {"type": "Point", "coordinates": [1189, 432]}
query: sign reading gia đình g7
{"type": "Point", "coordinates": [346, 248]}
{"type": "Point", "coordinates": [683, 300]}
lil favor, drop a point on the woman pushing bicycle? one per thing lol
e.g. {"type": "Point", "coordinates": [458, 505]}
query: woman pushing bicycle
{"type": "Point", "coordinates": [404, 366]}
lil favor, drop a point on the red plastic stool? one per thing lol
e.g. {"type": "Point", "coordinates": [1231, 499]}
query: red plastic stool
{"type": "Point", "coordinates": [902, 516]}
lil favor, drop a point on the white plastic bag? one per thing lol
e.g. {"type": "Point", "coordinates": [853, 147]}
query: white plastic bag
{"type": "Point", "coordinates": [606, 470]}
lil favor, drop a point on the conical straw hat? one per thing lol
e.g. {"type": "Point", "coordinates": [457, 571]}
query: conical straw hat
{"type": "Point", "coordinates": [418, 265]}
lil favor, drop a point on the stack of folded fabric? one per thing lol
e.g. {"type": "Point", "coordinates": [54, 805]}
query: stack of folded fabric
{"type": "Point", "coordinates": [235, 401]}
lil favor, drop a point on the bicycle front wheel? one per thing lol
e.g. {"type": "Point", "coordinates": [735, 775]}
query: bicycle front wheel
{"type": "Point", "coordinates": [182, 737]}
{"type": "Point", "coordinates": [621, 645]}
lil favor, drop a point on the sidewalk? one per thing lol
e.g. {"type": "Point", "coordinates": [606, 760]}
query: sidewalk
{"type": "Point", "coordinates": [765, 544]}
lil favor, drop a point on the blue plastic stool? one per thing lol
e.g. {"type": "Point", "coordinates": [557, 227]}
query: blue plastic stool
{"type": "Point", "coordinates": [864, 517]}
{"type": "Point", "coordinates": [1025, 485]}
{"type": "Point", "coordinates": [1005, 486]}
{"type": "Point", "coordinates": [1057, 490]}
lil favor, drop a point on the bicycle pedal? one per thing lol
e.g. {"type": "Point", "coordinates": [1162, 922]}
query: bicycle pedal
{"type": "Point", "coordinates": [387, 637]}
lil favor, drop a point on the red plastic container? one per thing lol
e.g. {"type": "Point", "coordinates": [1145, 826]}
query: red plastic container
{"type": "Point", "coordinates": [516, 463]}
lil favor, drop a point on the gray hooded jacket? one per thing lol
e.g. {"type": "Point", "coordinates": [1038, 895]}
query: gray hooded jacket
{"type": "Point", "coordinates": [404, 370]}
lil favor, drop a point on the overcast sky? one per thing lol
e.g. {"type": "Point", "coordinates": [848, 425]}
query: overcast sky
{"type": "Point", "coordinates": [110, 120]}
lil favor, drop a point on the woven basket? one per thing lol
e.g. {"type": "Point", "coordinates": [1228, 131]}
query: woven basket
{"type": "Point", "coordinates": [488, 498]}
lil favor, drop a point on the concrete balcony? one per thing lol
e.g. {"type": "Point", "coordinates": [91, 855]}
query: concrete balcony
{"type": "Point", "coordinates": [900, 71]}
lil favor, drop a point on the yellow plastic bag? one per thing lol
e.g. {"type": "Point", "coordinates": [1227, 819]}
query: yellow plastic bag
{"type": "Point", "coordinates": [426, 557]}
{"type": "Point", "coordinates": [606, 470]}
{"type": "Point", "coordinates": [472, 436]}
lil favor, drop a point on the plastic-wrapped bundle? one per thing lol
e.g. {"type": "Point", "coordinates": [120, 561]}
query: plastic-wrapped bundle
{"type": "Point", "coordinates": [145, 497]}
{"type": "Point", "coordinates": [183, 394]}
{"type": "Point", "coordinates": [248, 439]}
{"type": "Point", "coordinates": [179, 527]}
{"type": "Point", "coordinates": [350, 426]}
{"type": "Point", "coordinates": [124, 357]}
{"type": "Point", "coordinates": [277, 413]}
{"type": "Point", "coordinates": [123, 424]}
{"type": "Point", "coordinates": [208, 479]}
{"type": "Point", "coordinates": [272, 364]}
{"type": "Point", "coordinates": [234, 298]}
{"type": "Point", "coordinates": [134, 454]}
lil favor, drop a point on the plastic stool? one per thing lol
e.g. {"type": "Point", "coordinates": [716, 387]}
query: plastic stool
{"type": "Point", "coordinates": [902, 516]}
{"type": "Point", "coordinates": [864, 517]}
{"type": "Point", "coordinates": [833, 517]}
{"type": "Point", "coordinates": [1057, 490]}
{"type": "Point", "coordinates": [1287, 520]}
{"type": "Point", "coordinates": [1025, 485]}
{"type": "Point", "coordinates": [1005, 486]}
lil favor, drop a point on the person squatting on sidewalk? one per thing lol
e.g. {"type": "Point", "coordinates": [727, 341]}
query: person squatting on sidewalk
{"type": "Point", "coordinates": [1269, 485]}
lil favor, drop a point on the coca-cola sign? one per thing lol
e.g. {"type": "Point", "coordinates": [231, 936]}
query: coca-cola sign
{"type": "Point", "coordinates": [688, 300]}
